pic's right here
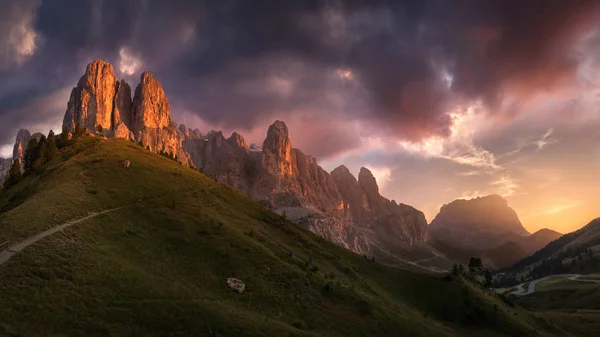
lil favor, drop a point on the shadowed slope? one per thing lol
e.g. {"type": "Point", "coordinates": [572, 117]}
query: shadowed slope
{"type": "Point", "coordinates": [158, 265]}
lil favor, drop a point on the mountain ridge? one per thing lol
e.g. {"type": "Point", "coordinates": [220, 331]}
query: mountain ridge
{"type": "Point", "coordinates": [276, 175]}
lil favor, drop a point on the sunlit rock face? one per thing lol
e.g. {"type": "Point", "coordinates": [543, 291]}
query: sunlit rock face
{"type": "Point", "coordinates": [481, 223]}
{"type": "Point", "coordinates": [100, 99]}
{"type": "Point", "coordinates": [151, 108]}
{"type": "Point", "coordinates": [21, 141]}
{"type": "Point", "coordinates": [151, 119]}
{"type": "Point", "coordinates": [92, 100]}
{"type": "Point", "coordinates": [277, 151]}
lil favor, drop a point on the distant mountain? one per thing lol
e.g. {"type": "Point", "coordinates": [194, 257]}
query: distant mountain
{"type": "Point", "coordinates": [503, 255]}
{"type": "Point", "coordinates": [481, 223]}
{"type": "Point", "coordinates": [486, 227]}
{"type": "Point", "coordinates": [538, 240]}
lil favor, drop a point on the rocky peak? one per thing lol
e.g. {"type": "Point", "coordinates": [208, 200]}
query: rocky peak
{"type": "Point", "coordinates": [368, 183]}
{"type": "Point", "coordinates": [237, 141]}
{"type": "Point", "coordinates": [151, 108]}
{"type": "Point", "coordinates": [92, 101]}
{"type": "Point", "coordinates": [344, 180]}
{"type": "Point", "coordinates": [277, 150]}
{"type": "Point", "coordinates": [477, 223]}
{"type": "Point", "coordinates": [21, 141]}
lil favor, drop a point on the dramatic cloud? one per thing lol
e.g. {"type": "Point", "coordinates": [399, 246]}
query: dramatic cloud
{"type": "Point", "coordinates": [19, 40]}
{"type": "Point", "coordinates": [463, 94]}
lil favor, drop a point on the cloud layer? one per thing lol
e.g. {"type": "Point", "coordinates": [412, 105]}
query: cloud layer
{"type": "Point", "coordinates": [446, 85]}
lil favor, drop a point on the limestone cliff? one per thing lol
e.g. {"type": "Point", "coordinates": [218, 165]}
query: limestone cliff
{"type": "Point", "coordinates": [336, 206]}
{"type": "Point", "coordinates": [92, 100]}
{"type": "Point", "coordinates": [151, 119]}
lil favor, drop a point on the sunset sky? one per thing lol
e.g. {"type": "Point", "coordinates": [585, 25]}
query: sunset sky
{"type": "Point", "coordinates": [440, 99]}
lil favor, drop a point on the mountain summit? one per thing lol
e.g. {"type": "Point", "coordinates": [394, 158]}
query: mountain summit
{"type": "Point", "coordinates": [480, 223]}
{"type": "Point", "coordinates": [100, 100]}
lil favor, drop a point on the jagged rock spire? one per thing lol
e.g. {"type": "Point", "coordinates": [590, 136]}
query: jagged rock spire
{"type": "Point", "coordinates": [277, 150]}
{"type": "Point", "coordinates": [92, 101]}
{"type": "Point", "coordinates": [151, 108]}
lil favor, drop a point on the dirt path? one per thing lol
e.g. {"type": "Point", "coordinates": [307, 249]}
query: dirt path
{"type": "Point", "coordinates": [6, 254]}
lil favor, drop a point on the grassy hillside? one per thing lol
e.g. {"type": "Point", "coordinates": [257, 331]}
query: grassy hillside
{"type": "Point", "coordinates": [158, 264]}
{"type": "Point", "coordinates": [574, 253]}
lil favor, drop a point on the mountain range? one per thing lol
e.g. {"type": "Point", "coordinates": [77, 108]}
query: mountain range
{"type": "Point", "coordinates": [336, 205]}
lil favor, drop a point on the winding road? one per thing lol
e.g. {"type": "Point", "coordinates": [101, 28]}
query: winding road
{"type": "Point", "coordinates": [521, 291]}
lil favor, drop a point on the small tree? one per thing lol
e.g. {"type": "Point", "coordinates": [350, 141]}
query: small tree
{"type": "Point", "coordinates": [461, 269]}
{"type": "Point", "coordinates": [472, 264]}
{"type": "Point", "coordinates": [488, 278]}
{"type": "Point", "coordinates": [43, 150]}
{"type": "Point", "coordinates": [31, 154]}
{"type": "Point", "coordinates": [51, 145]}
{"type": "Point", "coordinates": [64, 136]}
{"type": "Point", "coordinates": [140, 143]}
{"type": "Point", "coordinates": [455, 269]}
{"type": "Point", "coordinates": [99, 129]}
{"type": "Point", "coordinates": [14, 174]}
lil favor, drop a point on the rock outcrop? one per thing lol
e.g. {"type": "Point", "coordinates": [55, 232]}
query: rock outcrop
{"type": "Point", "coordinates": [480, 223]}
{"type": "Point", "coordinates": [93, 99]}
{"type": "Point", "coordinates": [100, 99]}
{"type": "Point", "coordinates": [21, 143]}
{"type": "Point", "coordinates": [151, 119]}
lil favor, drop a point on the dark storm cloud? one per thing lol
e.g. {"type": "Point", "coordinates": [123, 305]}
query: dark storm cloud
{"type": "Point", "coordinates": [522, 46]}
{"type": "Point", "coordinates": [237, 63]}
